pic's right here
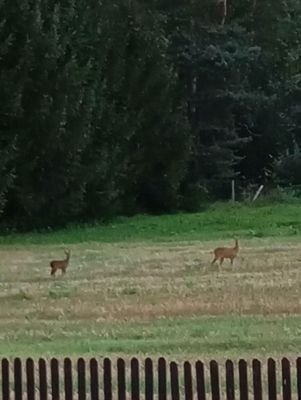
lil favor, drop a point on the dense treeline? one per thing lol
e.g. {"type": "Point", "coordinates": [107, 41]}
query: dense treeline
{"type": "Point", "coordinates": [125, 106]}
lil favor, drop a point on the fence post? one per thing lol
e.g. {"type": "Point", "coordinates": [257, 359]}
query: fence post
{"type": "Point", "coordinates": [258, 192]}
{"type": "Point", "coordinates": [233, 190]}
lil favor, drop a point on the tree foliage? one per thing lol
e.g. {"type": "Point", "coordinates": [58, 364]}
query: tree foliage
{"type": "Point", "coordinates": [118, 107]}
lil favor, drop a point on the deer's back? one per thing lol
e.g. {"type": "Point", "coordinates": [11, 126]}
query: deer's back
{"type": "Point", "coordinates": [58, 263]}
{"type": "Point", "coordinates": [225, 252]}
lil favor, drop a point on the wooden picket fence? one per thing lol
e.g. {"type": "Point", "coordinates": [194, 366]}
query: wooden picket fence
{"type": "Point", "coordinates": [148, 379]}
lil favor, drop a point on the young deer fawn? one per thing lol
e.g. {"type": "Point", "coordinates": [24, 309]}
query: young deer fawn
{"type": "Point", "coordinates": [60, 264]}
{"type": "Point", "coordinates": [225, 252]}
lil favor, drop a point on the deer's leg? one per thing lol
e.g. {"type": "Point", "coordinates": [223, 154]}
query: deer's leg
{"type": "Point", "coordinates": [53, 271]}
{"type": "Point", "coordinates": [213, 261]}
{"type": "Point", "coordinates": [221, 260]}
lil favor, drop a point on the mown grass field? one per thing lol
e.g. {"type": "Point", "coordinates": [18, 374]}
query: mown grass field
{"type": "Point", "coordinates": [145, 286]}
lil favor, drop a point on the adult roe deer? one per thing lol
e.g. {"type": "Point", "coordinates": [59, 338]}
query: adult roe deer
{"type": "Point", "coordinates": [225, 252]}
{"type": "Point", "coordinates": [60, 264]}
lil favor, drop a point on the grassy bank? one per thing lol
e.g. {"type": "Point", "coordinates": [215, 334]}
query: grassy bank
{"type": "Point", "coordinates": [217, 222]}
{"type": "Point", "coordinates": [180, 338]}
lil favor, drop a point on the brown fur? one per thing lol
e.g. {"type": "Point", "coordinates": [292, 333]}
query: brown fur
{"type": "Point", "coordinates": [220, 253]}
{"type": "Point", "coordinates": [60, 264]}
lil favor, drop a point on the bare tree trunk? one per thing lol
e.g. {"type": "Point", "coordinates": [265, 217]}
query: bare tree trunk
{"type": "Point", "coordinates": [222, 11]}
{"type": "Point", "coordinates": [253, 7]}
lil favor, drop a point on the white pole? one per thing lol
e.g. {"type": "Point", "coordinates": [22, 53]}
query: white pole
{"type": "Point", "coordinates": [233, 189]}
{"type": "Point", "coordinates": [258, 192]}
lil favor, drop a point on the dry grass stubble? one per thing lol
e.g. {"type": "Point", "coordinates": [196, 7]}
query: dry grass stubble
{"type": "Point", "coordinates": [145, 282]}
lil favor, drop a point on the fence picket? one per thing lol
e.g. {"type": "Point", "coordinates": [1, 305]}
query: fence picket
{"type": "Point", "coordinates": [286, 379]}
{"type": "Point", "coordinates": [81, 379]}
{"type": "Point", "coordinates": [230, 388]}
{"type": "Point", "coordinates": [94, 381]}
{"type": "Point", "coordinates": [135, 379]}
{"type": "Point", "coordinates": [272, 386]}
{"type": "Point", "coordinates": [121, 379]}
{"type": "Point", "coordinates": [188, 381]}
{"type": "Point", "coordinates": [149, 379]}
{"type": "Point", "coordinates": [243, 380]}
{"type": "Point", "coordinates": [30, 382]}
{"type": "Point", "coordinates": [298, 366]}
{"type": "Point", "coordinates": [43, 379]}
{"type": "Point", "coordinates": [174, 381]}
{"type": "Point", "coordinates": [190, 392]}
{"type": "Point", "coordinates": [18, 378]}
{"type": "Point", "coordinates": [200, 380]}
{"type": "Point", "coordinates": [107, 379]}
{"type": "Point", "coordinates": [55, 380]}
{"type": "Point", "coordinates": [257, 381]}
{"type": "Point", "coordinates": [68, 379]}
{"type": "Point", "coordinates": [214, 378]}
{"type": "Point", "coordinates": [162, 385]}
{"type": "Point", "coordinates": [5, 379]}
